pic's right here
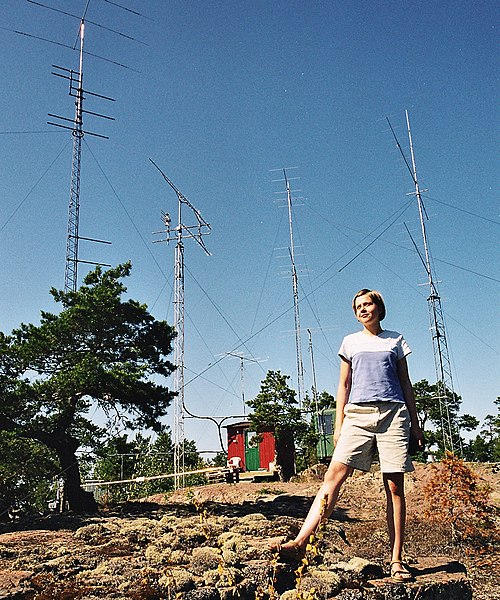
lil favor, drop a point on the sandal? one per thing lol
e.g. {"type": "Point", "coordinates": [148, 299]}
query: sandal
{"type": "Point", "coordinates": [400, 573]}
{"type": "Point", "coordinates": [288, 552]}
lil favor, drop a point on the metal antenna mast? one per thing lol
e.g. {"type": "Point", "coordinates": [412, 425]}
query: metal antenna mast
{"type": "Point", "coordinates": [76, 90]}
{"type": "Point", "coordinates": [313, 371]}
{"type": "Point", "coordinates": [437, 324]}
{"type": "Point", "coordinates": [295, 283]}
{"type": "Point", "coordinates": [320, 420]}
{"type": "Point", "coordinates": [178, 234]}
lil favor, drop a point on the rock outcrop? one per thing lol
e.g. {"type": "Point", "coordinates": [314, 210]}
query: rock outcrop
{"type": "Point", "coordinates": [211, 543]}
{"type": "Point", "coordinates": [201, 558]}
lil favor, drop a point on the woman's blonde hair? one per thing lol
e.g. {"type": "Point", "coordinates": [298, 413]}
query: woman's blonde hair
{"type": "Point", "coordinates": [375, 296]}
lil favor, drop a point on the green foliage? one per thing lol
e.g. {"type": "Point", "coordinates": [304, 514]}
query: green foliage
{"type": "Point", "coordinates": [141, 457]}
{"type": "Point", "coordinates": [99, 350]}
{"type": "Point", "coordinates": [116, 461]}
{"type": "Point", "coordinates": [116, 458]}
{"type": "Point", "coordinates": [160, 460]}
{"type": "Point", "coordinates": [307, 454]}
{"type": "Point", "coordinates": [435, 406]}
{"type": "Point", "coordinates": [276, 407]}
{"type": "Point", "coordinates": [485, 447]}
{"type": "Point", "coordinates": [219, 460]}
{"type": "Point", "coordinates": [325, 400]}
{"type": "Point", "coordinates": [26, 470]}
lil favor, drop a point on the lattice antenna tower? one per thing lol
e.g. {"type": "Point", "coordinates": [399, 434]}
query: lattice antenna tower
{"type": "Point", "coordinates": [295, 287]}
{"type": "Point", "coordinates": [178, 234]}
{"type": "Point", "coordinates": [437, 325]}
{"type": "Point", "coordinates": [76, 90]}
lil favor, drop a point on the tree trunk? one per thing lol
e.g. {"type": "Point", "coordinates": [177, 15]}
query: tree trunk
{"type": "Point", "coordinates": [285, 455]}
{"type": "Point", "coordinates": [79, 501]}
{"type": "Point", "coordinates": [65, 446]}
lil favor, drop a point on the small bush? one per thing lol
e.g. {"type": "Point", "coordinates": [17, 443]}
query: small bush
{"type": "Point", "coordinates": [455, 496]}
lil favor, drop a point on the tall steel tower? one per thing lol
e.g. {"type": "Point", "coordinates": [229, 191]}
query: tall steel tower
{"type": "Point", "coordinates": [437, 326]}
{"type": "Point", "coordinates": [77, 91]}
{"type": "Point", "coordinates": [71, 271]}
{"type": "Point", "coordinates": [178, 234]}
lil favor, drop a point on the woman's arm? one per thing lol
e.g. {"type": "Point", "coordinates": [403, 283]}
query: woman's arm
{"type": "Point", "coordinates": [343, 392]}
{"type": "Point", "coordinates": [404, 380]}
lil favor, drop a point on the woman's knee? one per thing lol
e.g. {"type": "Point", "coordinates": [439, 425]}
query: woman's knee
{"type": "Point", "coordinates": [337, 472]}
{"type": "Point", "coordinates": [394, 485]}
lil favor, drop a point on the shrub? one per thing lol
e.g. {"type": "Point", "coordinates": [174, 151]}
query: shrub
{"type": "Point", "coordinates": [455, 496]}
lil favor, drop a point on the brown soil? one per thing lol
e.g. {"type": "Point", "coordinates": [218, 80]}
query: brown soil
{"type": "Point", "coordinates": [142, 547]}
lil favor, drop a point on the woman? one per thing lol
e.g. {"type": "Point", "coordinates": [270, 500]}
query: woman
{"type": "Point", "coordinates": [375, 412]}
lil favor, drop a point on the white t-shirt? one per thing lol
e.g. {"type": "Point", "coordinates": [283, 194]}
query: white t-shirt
{"type": "Point", "coordinates": [374, 365]}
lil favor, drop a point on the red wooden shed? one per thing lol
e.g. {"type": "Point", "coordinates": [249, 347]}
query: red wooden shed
{"type": "Point", "coordinates": [255, 455]}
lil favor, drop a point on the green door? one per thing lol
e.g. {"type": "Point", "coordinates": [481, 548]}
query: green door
{"type": "Point", "coordinates": [252, 459]}
{"type": "Point", "coordinates": [324, 425]}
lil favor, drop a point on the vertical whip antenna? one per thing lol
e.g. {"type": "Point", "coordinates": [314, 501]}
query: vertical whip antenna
{"type": "Point", "coordinates": [243, 358]}
{"type": "Point", "coordinates": [437, 325]}
{"type": "Point", "coordinates": [178, 234]}
{"type": "Point", "coordinates": [295, 286]}
{"type": "Point", "coordinates": [318, 419]}
{"type": "Point", "coordinates": [313, 371]}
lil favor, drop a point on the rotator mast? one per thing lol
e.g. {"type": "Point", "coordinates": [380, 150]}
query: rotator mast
{"type": "Point", "coordinates": [178, 234]}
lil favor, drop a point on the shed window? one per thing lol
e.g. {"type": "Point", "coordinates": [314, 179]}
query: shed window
{"type": "Point", "coordinates": [325, 424]}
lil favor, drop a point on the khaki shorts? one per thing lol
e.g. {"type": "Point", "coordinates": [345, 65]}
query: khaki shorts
{"type": "Point", "coordinates": [382, 426]}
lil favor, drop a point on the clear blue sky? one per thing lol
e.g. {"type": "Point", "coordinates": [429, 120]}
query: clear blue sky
{"type": "Point", "coordinates": [219, 93]}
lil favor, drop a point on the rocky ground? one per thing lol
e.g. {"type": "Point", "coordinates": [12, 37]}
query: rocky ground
{"type": "Point", "coordinates": [210, 543]}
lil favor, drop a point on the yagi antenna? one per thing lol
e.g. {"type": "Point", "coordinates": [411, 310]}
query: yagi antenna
{"type": "Point", "coordinates": [187, 231]}
{"type": "Point", "coordinates": [63, 12]}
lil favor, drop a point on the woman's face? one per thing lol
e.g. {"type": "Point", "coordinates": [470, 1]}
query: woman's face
{"type": "Point", "coordinates": [366, 310]}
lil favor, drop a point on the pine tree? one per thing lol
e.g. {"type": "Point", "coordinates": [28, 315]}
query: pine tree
{"type": "Point", "coordinates": [100, 350]}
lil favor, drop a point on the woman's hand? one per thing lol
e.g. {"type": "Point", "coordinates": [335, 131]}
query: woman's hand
{"type": "Point", "coordinates": [343, 391]}
{"type": "Point", "coordinates": [417, 436]}
{"type": "Point", "coordinates": [336, 435]}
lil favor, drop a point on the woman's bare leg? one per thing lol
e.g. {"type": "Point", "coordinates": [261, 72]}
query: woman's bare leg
{"type": "Point", "coordinates": [334, 478]}
{"type": "Point", "coordinates": [396, 512]}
